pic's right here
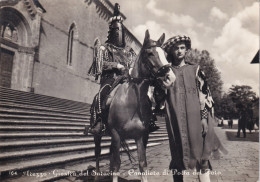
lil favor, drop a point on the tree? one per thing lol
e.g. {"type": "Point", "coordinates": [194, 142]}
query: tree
{"type": "Point", "coordinates": [243, 97]}
{"type": "Point", "coordinates": [208, 66]}
{"type": "Point", "coordinates": [239, 99]}
{"type": "Point", "coordinates": [255, 108]}
{"type": "Point", "coordinates": [228, 107]}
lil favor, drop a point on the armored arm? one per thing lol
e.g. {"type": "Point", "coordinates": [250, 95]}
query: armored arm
{"type": "Point", "coordinates": [108, 62]}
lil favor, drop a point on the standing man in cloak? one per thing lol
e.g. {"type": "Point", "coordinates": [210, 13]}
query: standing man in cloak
{"type": "Point", "coordinates": [189, 108]}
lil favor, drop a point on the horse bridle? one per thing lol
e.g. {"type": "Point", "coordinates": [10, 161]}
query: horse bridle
{"type": "Point", "coordinates": [161, 71]}
{"type": "Point", "coordinates": [155, 74]}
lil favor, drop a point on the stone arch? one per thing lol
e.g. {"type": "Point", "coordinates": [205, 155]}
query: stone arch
{"type": "Point", "coordinates": [74, 27]}
{"type": "Point", "coordinates": [19, 38]}
{"type": "Point", "coordinates": [13, 18]}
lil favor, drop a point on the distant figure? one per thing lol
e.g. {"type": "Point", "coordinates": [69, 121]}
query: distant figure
{"type": "Point", "coordinates": [250, 120]}
{"type": "Point", "coordinates": [242, 123]}
{"type": "Point", "coordinates": [230, 123]}
{"type": "Point", "coordinates": [250, 125]}
{"type": "Point", "coordinates": [256, 127]}
{"type": "Point", "coordinates": [221, 122]}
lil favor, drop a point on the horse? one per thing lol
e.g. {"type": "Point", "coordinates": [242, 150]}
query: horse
{"type": "Point", "coordinates": [130, 108]}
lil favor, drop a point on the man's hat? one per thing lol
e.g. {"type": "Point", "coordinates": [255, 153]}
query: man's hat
{"type": "Point", "coordinates": [174, 40]}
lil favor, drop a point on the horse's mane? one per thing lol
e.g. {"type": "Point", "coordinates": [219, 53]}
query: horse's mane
{"type": "Point", "coordinates": [135, 71]}
{"type": "Point", "coordinates": [147, 44]}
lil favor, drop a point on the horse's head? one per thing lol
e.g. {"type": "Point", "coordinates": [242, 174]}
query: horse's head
{"type": "Point", "coordinates": [152, 62]}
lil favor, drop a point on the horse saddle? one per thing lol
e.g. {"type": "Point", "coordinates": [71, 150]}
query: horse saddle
{"type": "Point", "coordinates": [110, 97]}
{"type": "Point", "coordinates": [121, 79]}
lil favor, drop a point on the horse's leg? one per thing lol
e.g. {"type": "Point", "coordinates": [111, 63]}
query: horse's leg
{"type": "Point", "coordinates": [97, 140]}
{"type": "Point", "coordinates": [145, 142]}
{"type": "Point", "coordinates": [115, 154]}
{"type": "Point", "coordinates": [141, 157]}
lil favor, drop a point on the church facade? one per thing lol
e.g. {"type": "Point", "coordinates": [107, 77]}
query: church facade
{"type": "Point", "coordinates": [46, 47]}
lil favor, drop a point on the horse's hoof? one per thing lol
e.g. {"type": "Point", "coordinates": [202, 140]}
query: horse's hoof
{"type": "Point", "coordinates": [97, 179]}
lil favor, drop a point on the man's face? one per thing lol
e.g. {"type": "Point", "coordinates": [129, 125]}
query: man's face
{"type": "Point", "coordinates": [179, 51]}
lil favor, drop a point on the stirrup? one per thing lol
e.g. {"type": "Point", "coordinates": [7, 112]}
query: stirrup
{"type": "Point", "coordinates": [97, 131]}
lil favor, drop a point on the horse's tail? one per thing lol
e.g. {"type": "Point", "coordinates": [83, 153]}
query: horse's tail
{"type": "Point", "coordinates": [126, 148]}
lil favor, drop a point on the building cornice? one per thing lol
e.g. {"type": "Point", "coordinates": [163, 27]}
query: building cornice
{"type": "Point", "coordinates": [132, 37]}
{"type": "Point", "coordinates": [19, 48]}
{"type": "Point", "coordinates": [8, 2]}
{"type": "Point", "coordinates": [30, 7]}
{"type": "Point", "coordinates": [38, 4]}
{"type": "Point", "coordinates": [104, 8]}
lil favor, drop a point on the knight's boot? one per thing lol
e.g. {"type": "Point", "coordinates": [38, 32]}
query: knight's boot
{"type": "Point", "coordinates": [153, 127]}
{"type": "Point", "coordinates": [98, 128]}
{"type": "Point", "coordinates": [159, 109]}
{"type": "Point", "coordinates": [86, 129]}
{"type": "Point", "coordinates": [204, 177]}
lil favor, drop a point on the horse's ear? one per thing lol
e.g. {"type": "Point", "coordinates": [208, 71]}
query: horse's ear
{"type": "Point", "coordinates": [147, 36]}
{"type": "Point", "coordinates": [161, 39]}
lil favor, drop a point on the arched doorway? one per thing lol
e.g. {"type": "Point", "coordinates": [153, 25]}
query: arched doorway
{"type": "Point", "coordinates": [6, 66]}
{"type": "Point", "coordinates": [16, 49]}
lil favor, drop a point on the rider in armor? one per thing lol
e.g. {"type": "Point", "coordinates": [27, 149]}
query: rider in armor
{"type": "Point", "coordinates": [112, 62]}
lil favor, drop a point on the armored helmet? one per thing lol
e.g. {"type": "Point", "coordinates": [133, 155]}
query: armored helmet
{"type": "Point", "coordinates": [116, 33]}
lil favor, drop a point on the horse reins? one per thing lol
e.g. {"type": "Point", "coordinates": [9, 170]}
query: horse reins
{"type": "Point", "coordinates": [155, 74]}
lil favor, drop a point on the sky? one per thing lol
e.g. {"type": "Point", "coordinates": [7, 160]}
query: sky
{"type": "Point", "coordinates": [227, 29]}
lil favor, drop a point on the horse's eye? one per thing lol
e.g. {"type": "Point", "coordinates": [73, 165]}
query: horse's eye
{"type": "Point", "coordinates": [149, 53]}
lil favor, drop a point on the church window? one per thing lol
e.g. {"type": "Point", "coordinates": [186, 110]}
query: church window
{"type": "Point", "coordinates": [70, 44]}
